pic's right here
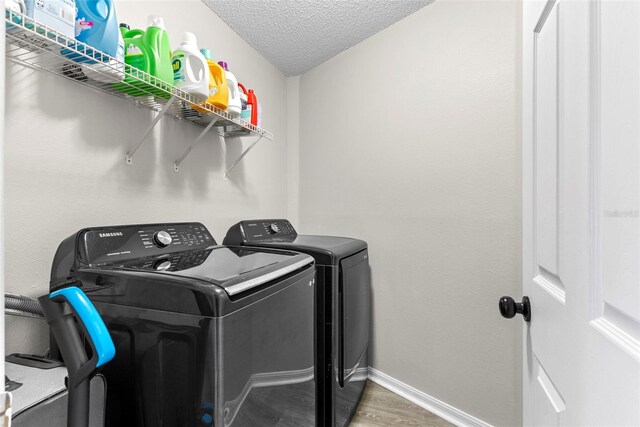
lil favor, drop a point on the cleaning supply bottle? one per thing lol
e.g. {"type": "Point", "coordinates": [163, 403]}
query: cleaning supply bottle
{"type": "Point", "coordinates": [245, 114]}
{"type": "Point", "coordinates": [148, 51]}
{"type": "Point", "coordinates": [111, 72]}
{"type": "Point", "coordinates": [156, 49]}
{"type": "Point", "coordinates": [190, 69]}
{"type": "Point", "coordinates": [235, 107]}
{"type": "Point", "coordinates": [218, 90]}
{"type": "Point", "coordinates": [96, 25]}
{"type": "Point", "coordinates": [253, 102]}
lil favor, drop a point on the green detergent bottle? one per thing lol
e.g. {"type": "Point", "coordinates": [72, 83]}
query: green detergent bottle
{"type": "Point", "coordinates": [148, 51]}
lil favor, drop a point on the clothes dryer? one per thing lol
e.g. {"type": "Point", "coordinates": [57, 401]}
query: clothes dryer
{"type": "Point", "coordinates": [343, 309]}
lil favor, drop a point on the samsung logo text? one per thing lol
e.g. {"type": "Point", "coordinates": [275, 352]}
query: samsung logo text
{"type": "Point", "coordinates": [114, 234]}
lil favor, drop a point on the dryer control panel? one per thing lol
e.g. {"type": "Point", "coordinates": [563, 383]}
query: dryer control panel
{"type": "Point", "coordinates": [108, 244]}
{"type": "Point", "coordinates": [261, 230]}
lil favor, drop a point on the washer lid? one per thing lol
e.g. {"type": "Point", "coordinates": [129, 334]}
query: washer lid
{"type": "Point", "coordinates": [235, 269]}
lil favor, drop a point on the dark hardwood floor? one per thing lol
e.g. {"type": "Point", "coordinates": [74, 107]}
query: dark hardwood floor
{"type": "Point", "coordinates": [380, 407]}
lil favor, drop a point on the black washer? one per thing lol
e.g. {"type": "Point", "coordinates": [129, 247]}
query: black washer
{"type": "Point", "coordinates": [206, 335]}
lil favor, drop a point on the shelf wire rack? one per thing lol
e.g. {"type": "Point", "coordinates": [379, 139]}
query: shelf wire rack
{"type": "Point", "coordinates": [39, 47]}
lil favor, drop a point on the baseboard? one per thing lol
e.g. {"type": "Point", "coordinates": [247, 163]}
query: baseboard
{"type": "Point", "coordinates": [431, 404]}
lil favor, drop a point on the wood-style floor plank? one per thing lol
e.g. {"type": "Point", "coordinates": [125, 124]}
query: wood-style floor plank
{"type": "Point", "coordinates": [380, 407]}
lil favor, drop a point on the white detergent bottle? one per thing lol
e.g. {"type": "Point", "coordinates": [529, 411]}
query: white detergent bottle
{"type": "Point", "coordinates": [235, 103]}
{"type": "Point", "coordinates": [190, 69]}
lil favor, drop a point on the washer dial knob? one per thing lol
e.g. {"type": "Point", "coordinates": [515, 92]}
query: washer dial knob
{"type": "Point", "coordinates": [274, 228]}
{"type": "Point", "coordinates": [162, 265]}
{"type": "Point", "coordinates": [162, 239]}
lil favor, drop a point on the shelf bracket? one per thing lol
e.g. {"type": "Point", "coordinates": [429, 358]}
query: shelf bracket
{"type": "Point", "coordinates": [244, 153]}
{"type": "Point", "coordinates": [176, 164]}
{"type": "Point", "coordinates": [129, 158]}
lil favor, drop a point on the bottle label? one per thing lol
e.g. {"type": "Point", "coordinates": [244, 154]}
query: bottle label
{"type": "Point", "coordinates": [178, 68]}
{"type": "Point", "coordinates": [246, 113]}
{"type": "Point", "coordinates": [82, 25]}
{"type": "Point", "coordinates": [133, 50]}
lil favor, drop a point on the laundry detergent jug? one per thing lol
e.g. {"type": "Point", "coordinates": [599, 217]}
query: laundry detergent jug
{"type": "Point", "coordinates": [252, 103]}
{"type": "Point", "coordinates": [96, 29]}
{"type": "Point", "coordinates": [218, 90]}
{"type": "Point", "coordinates": [150, 52]}
{"type": "Point", "coordinates": [97, 25]}
{"type": "Point", "coordinates": [235, 104]}
{"type": "Point", "coordinates": [190, 69]}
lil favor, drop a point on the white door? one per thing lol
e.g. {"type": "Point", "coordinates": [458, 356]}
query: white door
{"type": "Point", "coordinates": [581, 224]}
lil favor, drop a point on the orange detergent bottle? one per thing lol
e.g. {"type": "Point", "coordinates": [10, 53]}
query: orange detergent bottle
{"type": "Point", "coordinates": [252, 101]}
{"type": "Point", "coordinates": [218, 89]}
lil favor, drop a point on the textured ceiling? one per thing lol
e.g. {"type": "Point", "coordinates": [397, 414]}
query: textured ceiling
{"type": "Point", "coordinates": [297, 35]}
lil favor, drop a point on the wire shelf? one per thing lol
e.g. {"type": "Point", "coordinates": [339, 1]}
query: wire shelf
{"type": "Point", "coordinates": [39, 47]}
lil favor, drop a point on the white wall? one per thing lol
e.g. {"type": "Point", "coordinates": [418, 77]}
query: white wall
{"type": "Point", "coordinates": [293, 149]}
{"type": "Point", "coordinates": [65, 151]}
{"type": "Point", "coordinates": [410, 140]}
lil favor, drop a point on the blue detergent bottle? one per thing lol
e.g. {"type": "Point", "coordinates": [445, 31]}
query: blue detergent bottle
{"type": "Point", "coordinates": [97, 25]}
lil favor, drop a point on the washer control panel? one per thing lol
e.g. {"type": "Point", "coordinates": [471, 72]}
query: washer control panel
{"type": "Point", "coordinates": [108, 244]}
{"type": "Point", "coordinates": [261, 230]}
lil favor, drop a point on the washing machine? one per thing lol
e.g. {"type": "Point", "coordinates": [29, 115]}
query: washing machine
{"type": "Point", "coordinates": [343, 309]}
{"type": "Point", "coordinates": [205, 335]}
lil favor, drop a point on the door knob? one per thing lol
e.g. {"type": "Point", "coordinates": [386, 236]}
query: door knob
{"type": "Point", "coordinates": [509, 308]}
